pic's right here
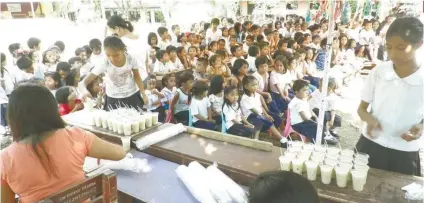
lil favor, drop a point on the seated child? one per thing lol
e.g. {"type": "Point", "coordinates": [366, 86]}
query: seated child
{"type": "Point", "coordinates": [63, 69]}
{"type": "Point", "coordinates": [331, 120]}
{"type": "Point", "coordinates": [169, 89]}
{"type": "Point", "coordinates": [235, 122]}
{"type": "Point", "coordinates": [279, 83]}
{"type": "Point", "coordinates": [216, 97]}
{"type": "Point", "coordinates": [282, 187]}
{"type": "Point", "coordinates": [192, 57]}
{"type": "Point", "coordinates": [239, 71]}
{"type": "Point", "coordinates": [200, 71]}
{"type": "Point", "coordinates": [73, 78]}
{"type": "Point", "coordinates": [253, 54]}
{"type": "Point", "coordinates": [302, 119]}
{"type": "Point", "coordinates": [152, 59]}
{"type": "Point", "coordinates": [174, 62]}
{"type": "Point", "coordinates": [66, 97]}
{"type": "Point", "coordinates": [154, 98]}
{"type": "Point", "coordinates": [257, 113]}
{"type": "Point", "coordinates": [162, 66]}
{"type": "Point", "coordinates": [237, 53]}
{"type": "Point", "coordinates": [97, 91]}
{"type": "Point", "coordinates": [217, 68]}
{"type": "Point", "coordinates": [52, 81]}
{"type": "Point", "coordinates": [75, 62]}
{"type": "Point", "coordinates": [181, 101]}
{"type": "Point", "coordinates": [200, 107]}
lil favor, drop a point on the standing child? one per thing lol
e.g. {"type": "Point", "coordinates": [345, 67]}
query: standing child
{"type": "Point", "coordinates": [181, 100]}
{"type": "Point", "coordinates": [200, 107]}
{"type": "Point", "coordinates": [393, 127]}
{"type": "Point", "coordinates": [235, 122]}
{"type": "Point", "coordinates": [279, 83]}
{"type": "Point", "coordinates": [254, 109]}
{"type": "Point", "coordinates": [154, 96]}
{"type": "Point", "coordinates": [52, 81]}
{"type": "Point", "coordinates": [216, 97]}
{"type": "Point", "coordinates": [213, 33]}
{"type": "Point", "coordinates": [169, 89]}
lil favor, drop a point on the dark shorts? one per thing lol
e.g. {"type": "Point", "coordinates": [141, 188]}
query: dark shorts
{"type": "Point", "coordinates": [204, 125]}
{"type": "Point", "coordinates": [241, 130]}
{"type": "Point", "coordinates": [134, 101]}
{"type": "Point", "coordinates": [279, 101]}
{"type": "Point", "coordinates": [266, 124]}
{"type": "Point", "coordinates": [3, 109]}
{"type": "Point", "coordinates": [307, 128]}
{"type": "Point", "coordinates": [327, 116]}
{"type": "Point", "coordinates": [181, 117]}
{"type": "Point", "coordinates": [390, 159]}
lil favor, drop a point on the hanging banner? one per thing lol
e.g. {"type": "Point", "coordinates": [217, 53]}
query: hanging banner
{"type": "Point", "coordinates": [14, 8]}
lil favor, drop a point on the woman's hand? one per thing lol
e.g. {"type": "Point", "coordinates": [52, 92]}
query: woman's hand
{"type": "Point", "coordinates": [413, 133]}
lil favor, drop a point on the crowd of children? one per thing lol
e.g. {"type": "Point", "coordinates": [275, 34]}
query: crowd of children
{"type": "Point", "coordinates": [245, 77]}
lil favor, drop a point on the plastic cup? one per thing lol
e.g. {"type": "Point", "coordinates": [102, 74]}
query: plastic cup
{"type": "Point", "coordinates": [103, 118]}
{"type": "Point", "coordinates": [331, 162]}
{"type": "Point", "coordinates": [347, 152]}
{"type": "Point", "coordinates": [333, 151]}
{"type": "Point", "coordinates": [346, 165]}
{"type": "Point", "coordinates": [297, 144]}
{"type": "Point", "coordinates": [326, 173]}
{"type": "Point", "coordinates": [309, 147]}
{"type": "Point", "coordinates": [362, 156]}
{"type": "Point", "coordinates": [294, 149]}
{"type": "Point", "coordinates": [319, 148]}
{"type": "Point", "coordinates": [120, 126]}
{"type": "Point", "coordinates": [345, 158]}
{"type": "Point", "coordinates": [358, 179]}
{"type": "Point", "coordinates": [342, 174]}
{"type": "Point", "coordinates": [333, 157]}
{"type": "Point", "coordinates": [127, 128]}
{"type": "Point", "coordinates": [306, 153]}
{"type": "Point", "coordinates": [297, 165]}
{"type": "Point", "coordinates": [115, 125]}
{"type": "Point", "coordinates": [142, 122]}
{"type": "Point", "coordinates": [285, 163]}
{"type": "Point", "coordinates": [148, 117]}
{"type": "Point", "coordinates": [126, 143]}
{"type": "Point", "coordinates": [290, 154]}
{"type": "Point", "coordinates": [155, 118]}
{"type": "Point", "coordinates": [110, 124]}
{"type": "Point", "coordinates": [311, 169]}
{"type": "Point", "coordinates": [98, 120]}
{"type": "Point", "coordinates": [362, 168]}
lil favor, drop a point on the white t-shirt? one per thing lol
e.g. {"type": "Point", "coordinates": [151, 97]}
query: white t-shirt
{"type": "Point", "coordinates": [252, 66]}
{"type": "Point", "coordinates": [397, 103]}
{"type": "Point", "coordinates": [251, 102]}
{"type": "Point", "coordinates": [330, 102]}
{"type": "Point", "coordinates": [169, 94]}
{"type": "Point", "coordinates": [119, 81]}
{"type": "Point", "coordinates": [279, 79]}
{"type": "Point", "coordinates": [366, 37]}
{"type": "Point", "coordinates": [262, 83]}
{"type": "Point", "coordinates": [162, 68]}
{"type": "Point", "coordinates": [94, 59]}
{"type": "Point", "coordinates": [199, 107]}
{"type": "Point", "coordinates": [213, 36]}
{"type": "Point", "coordinates": [182, 103]}
{"type": "Point", "coordinates": [296, 106]}
{"type": "Point", "coordinates": [216, 102]}
{"type": "Point", "coordinates": [138, 49]}
{"type": "Point", "coordinates": [231, 113]}
{"type": "Point", "coordinates": [152, 99]}
{"type": "Point", "coordinates": [162, 45]}
{"type": "Point", "coordinates": [354, 33]}
{"type": "Point", "coordinates": [177, 65]}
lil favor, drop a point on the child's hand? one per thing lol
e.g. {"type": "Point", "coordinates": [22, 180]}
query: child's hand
{"type": "Point", "coordinates": [413, 133]}
{"type": "Point", "coordinates": [249, 126]}
{"type": "Point", "coordinates": [269, 118]}
{"type": "Point", "coordinates": [373, 125]}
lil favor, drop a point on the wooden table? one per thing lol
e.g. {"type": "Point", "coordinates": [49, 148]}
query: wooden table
{"type": "Point", "coordinates": [244, 164]}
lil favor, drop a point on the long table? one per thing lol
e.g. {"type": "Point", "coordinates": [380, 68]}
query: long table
{"type": "Point", "coordinates": [244, 164]}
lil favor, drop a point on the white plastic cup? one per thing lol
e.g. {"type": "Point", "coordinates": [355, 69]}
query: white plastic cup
{"type": "Point", "coordinates": [285, 163]}
{"type": "Point", "coordinates": [114, 125]}
{"type": "Point", "coordinates": [347, 152]}
{"type": "Point", "coordinates": [290, 154]}
{"type": "Point", "coordinates": [98, 120]}
{"type": "Point", "coordinates": [333, 157]}
{"type": "Point", "coordinates": [155, 118]}
{"type": "Point", "coordinates": [110, 124]}
{"type": "Point", "coordinates": [297, 144]}
{"type": "Point", "coordinates": [326, 173]}
{"type": "Point", "coordinates": [306, 153]}
{"type": "Point", "coordinates": [333, 151]}
{"type": "Point", "coordinates": [135, 126]}
{"type": "Point", "coordinates": [148, 117]}
{"type": "Point", "coordinates": [142, 122]}
{"type": "Point", "coordinates": [309, 147]}
{"type": "Point", "coordinates": [331, 162]}
{"type": "Point", "coordinates": [120, 126]}
{"type": "Point", "coordinates": [358, 179]}
{"type": "Point", "coordinates": [362, 156]}
{"type": "Point", "coordinates": [126, 143]}
{"type": "Point", "coordinates": [342, 174]}
{"type": "Point", "coordinates": [346, 165]}
{"type": "Point", "coordinates": [297, 165]}
{"type": "Point", "coordinates": [294, 149]}
{"type": "Point", "coordinates": [362, 168]}
{"type": "Point", "coordinates": [346, 158]}
{"type": "Point", "coordinates": [311, 169]}
{"type": "Point", "coordinates": [127, 128]}
{"type": "Point", "coordinates": [319, 148]}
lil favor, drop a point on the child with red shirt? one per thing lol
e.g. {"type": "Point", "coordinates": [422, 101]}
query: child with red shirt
{"type": "Point", "coordinates": [66, 98]}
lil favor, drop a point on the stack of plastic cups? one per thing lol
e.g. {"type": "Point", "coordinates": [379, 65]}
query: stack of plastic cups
{"type": "Point", "coordinates": [361, 163]}
{"type": "Point", "coordinates": [360, 171]}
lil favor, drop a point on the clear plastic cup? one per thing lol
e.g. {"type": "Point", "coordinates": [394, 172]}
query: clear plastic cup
{"type": "Point", "coordinates": [297, 165]}
{"type": "Point", "coordinates": [347, 152]}
{"type": "Point", "coordinates": [319, 148]}
{"type": "Point", "coordinates": [334, 157]}
{"type": "Point", "coordinates": [346, 165]}
{"type": "Point", "coordinates": [306, 153]}
{"type": "Point", "coordinates": [294, 149]}
{"type": "Point", "coordinates": [120, 127]}
{"type": "Point", "coordinates": [309, 147]}
{"type": "Point", "coordinates": [126, 143]}
{"type": "Point", "coordinates": [115, 125]}
{"type": "Point", "coordinates": [155, 118]}
{"type": "Point", "coordinates": [98, 119]}
{"type": "Point", "coordinates": [326, 173]}
{"type": "Point", "coordinates": [345, 158]}
{"type": "Point", "coordinates": [127, 128]}
{"type": "Point", "coordinates": [285, 163]}
{"type": "Point", "coordinates": [331, 162]}
{"type": "Point", "coordinates": [142, 122]}
{"type": "Point", "coordinates": [358, 179]}
{"type": "Point", "coordinates": [362, 168]}
{"type": "Point", "coordinates": [110, 124]}
{"type": "Point", "coordinates": [362, 156]}
{"type": "Point", "coordinates": [360, 162]}
{"type": "Point", "coordinates": [333, 151]}
{"type": "Point", "coordinates": [342, 174]}
{"type": "Point", "coordinates": [148, 117]}
{"type": "Point", "coordinates": [311, 169]}
{"type": "Point", "coordinates": [135, 126]}
{"type": "Point", "coordinates": [290, 154]}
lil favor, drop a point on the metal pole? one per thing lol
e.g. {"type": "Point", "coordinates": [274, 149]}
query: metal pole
{"type": "Point", "coordinates": [327, 67]}
{"type": "Point", "coordinates": [32, 9]}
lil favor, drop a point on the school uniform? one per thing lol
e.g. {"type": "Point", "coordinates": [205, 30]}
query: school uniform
{"type": "Point", "coordinates": [263, 85]}
{"type": "Point", "coordinates": [176, 66]}
{"type": "Point", "coordinates": [153, 98]}
{"type": "Point", "coordinates": [216, 105]}
{"type": "Point", "coordinates": [231, 113]}
{"type": "Point", "coordinates": [200, 107]}
{"type": "Point", "coordinates": [169, 94]}
{"type": "Point", "coordinates": [162, 45]}
{"type": "Point", "coordinates": [398, 104]}
{"type": "Point", "coordinates": [181, 107]}
{"type": "Point", "coordinates": [258, 120]}
{"type": "Point", "coordinates": [213, 35]}
{"type": "Point", "coordinates": [161, 67]}
{"type": "Point", "coordinates": [330, 103]}
{"type": "Point", "coordinates": [252, 66]}
{"type": "Point", "coordinates": [307, 128]}
{"type": "Point", "coordinates": [281, 80]}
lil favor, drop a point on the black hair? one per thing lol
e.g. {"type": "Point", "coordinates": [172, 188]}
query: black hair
{"type": "Point", "coordinates": [31, 54]}
{"type": "Point", "coordinates": [170, 49]}
{"type": "Point", "coordinates": [114, 43]}
{"type": "Point", "coordinates": [281, 42]}
{"type": "Point", "coordinates": [212, 59]}
{"type": "Point", "coordinates": [300, 40]}
{"type": "Point", "coordinates": [199, 87]}
{"type": "Point", "coordinates": [282, 186]}
{"type": "Point", "coordinates": [74, 59]}
{"type": "Point", "coordinates": [63, 66]}
{"type": "Point", "coordinates": [24, 63]}
{"type": "Point", "coordinates": [70, 80]}
{"type": "Point", "coordinates": [215, 21]}
{"type": "Point", "coordinates": [162, 30]}
{"type": "Point", "coordinates": [250, 37]}
{"type": "Point", "coordinates": [216, 84]}
{"type": "Point", "coordinates": [237, 27]}
{"type": "Point", "coordinates": [180, 37]}
{"type": "Point", "coordinates": [233, 49]}
{"type": "Point", "coordinates": [211, 45]}
{"type": "Point", "coordinates": [62, 94]}
{"type": "Point", "coordinates": [267, 32]}
{"type": "Point", "coordinates": [262, 45]}
{"type": "Point", "coordinates": [221, 40]}
{"type": "Point", "coordinates": [260, 38]}
{"type": "Point", "coordinates": [202, 47]}
{"type": "Point", "coordinates": [13, 47]}
{"type": "Point", "coordinates": [290, 43]}
{"type": "Point", "coordinates": [282, 59]}
{"type": "Point", "coordinates": [221, 53]}
{"type": "Point", "coordinates": [155, 48]}
{"type": "Point", "coordinates": [88, 50]}
{"type": "Point", "coordinates": [238, 64]}
{"type": "Point", "coordinates": [203, 60]}
{"type": "Point", "coordinates": [260, 61]}
{"type": "Point", "coordinates": [323, 43]}
{"type": "Point", "coordinates": [247, 80]}
{"type": "Point", "coordinates": [118, 21]}
{"type": "Point", "coordinates": [160, 54]}
{"type": "Point", "coordinates": [227, 91]}
{"type": "Point", "coordinates": [206, 26]}
{"type": "Point", "coordinates": [33, 42]}
{"type": "Point", "coordinates": [95, 44]}
{"type": "Point", "coordinates": [315, 37]}
{"type": "Point", "coordinates": [299, 84]}
{"type": "Point", "coordinates": [32, 111]}
{"type": "Point", "coordinates": [301, 50]}
{"type": "Point", "coordinates": [180, 49]}
{"type": "Point", "coordinates": [254, 27]}
{"type": "Point", "coordinates": [184, 77]}
{"type": "Point", "coordinates": [173, 27]}
{"type": "Point", "coordinates": [409, 29]}
{"type": "Point", "coordinates": [78, 51]}
{"type": "Point", "coordinates": [55, 76]}
{"type": "Point", "coordinates": [61, 45]}
{"type": "Point", "coordinates": [166, 78]}
{"type": "Point", "coordinates": [253, 51]}
{"type": "Point", "coordinates": [149, 38]}
{"type": "Point", "coordinates": [314, 27]}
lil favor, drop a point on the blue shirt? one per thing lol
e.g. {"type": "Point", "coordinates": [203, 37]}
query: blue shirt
{"type": "Point", "coordinates": [320, 60]}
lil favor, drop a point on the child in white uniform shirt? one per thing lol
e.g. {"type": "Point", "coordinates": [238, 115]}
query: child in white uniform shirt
{"type": "Point", "coordinates": [155, 99]}
{"type": "Point", "coordinates": [394, 89]}
{"type": "Point", "coordinates": [279, 83]}
{"type": "Point", "coordinates": [235, 122]}
{"type": "Point", "coordinates": [169, 89]}
{"type": "Point", "coordinates": [216, 97]}
{"type": "Point", "coordinates": [162, 66]}
{"type": "Point", "coordinates": [200, 107]}
{"type": "Point", "coordinates": [174, 62]}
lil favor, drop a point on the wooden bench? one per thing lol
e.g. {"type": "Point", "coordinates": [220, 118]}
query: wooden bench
{"type": "Point", "coordinates": [101, 188]}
